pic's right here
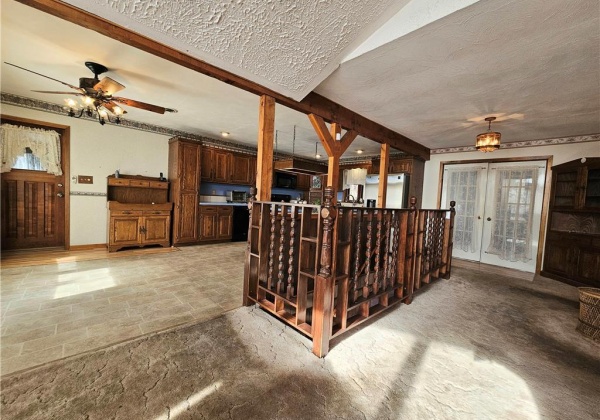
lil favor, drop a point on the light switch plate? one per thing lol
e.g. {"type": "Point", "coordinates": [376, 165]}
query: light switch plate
{"type": "Point", "coordinates": [85, 179]}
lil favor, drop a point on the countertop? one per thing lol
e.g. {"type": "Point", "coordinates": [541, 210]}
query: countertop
{"type": "Point", "coordinates": [208, 203]}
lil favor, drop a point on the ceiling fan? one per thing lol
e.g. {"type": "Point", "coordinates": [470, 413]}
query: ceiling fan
{"type": "Point", "coordinates": [97, 95]}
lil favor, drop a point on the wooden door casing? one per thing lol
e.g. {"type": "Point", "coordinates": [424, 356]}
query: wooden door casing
{"type": "Point", "coordinates": [35, 204]}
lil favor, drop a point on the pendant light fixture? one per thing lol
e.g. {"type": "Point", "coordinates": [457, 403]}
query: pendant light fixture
{"type": "Point", "coordinates": [489, 141]}
{"type": "Point", "coordinates": [299, 166]}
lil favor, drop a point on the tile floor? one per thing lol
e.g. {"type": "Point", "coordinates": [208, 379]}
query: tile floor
{"type": "Point", "coordinates": [53, 311]}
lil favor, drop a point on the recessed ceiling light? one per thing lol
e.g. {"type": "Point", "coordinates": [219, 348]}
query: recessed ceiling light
{"type": "Point", "coordinates": [225, 133]}
{"type": "Point", "coordinates": [359, 151]}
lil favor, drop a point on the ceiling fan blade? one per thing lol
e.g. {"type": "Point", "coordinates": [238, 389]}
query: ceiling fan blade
{"type": "Point", "coordinates": [47, 77]}
{"type": "Point", "coordinates": [111, 107]}
{"type": "Point", "coordinates": [141, 105]}
{"type": "Point", "coordinates": [62, 93]}
{"type": "Point", "coordinates": [109, 86]}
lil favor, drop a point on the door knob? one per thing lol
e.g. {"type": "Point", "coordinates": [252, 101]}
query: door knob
{"type": "Point", "coordinates": [489, 219]}
{"type": "Point", "coordinates": [60, 195]}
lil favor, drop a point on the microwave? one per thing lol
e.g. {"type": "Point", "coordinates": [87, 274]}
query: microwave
{"type": "Point", "coordinates": [284, 180]}
{"type": "Point", "coordinates": [237, 196]}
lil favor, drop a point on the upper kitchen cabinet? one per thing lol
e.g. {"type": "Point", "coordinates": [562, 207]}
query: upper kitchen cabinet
{"type": "Point", "coordinates": [227, 167]}
{"type": "Point", "coordinates": [216, 165]}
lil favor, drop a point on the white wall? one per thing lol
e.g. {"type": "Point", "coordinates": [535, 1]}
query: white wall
{"type": "Point", "coordinates": [98, 151]}
{"type": "Point", "coordinates": [561, 153]}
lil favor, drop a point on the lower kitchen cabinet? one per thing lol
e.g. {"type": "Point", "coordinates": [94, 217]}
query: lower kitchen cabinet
{"type": "Point", "coordinates": [138, 225]}
{"type": "Point", "coordinates": [215, 223]}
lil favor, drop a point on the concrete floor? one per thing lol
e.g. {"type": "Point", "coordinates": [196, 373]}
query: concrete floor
{"type": "Point", "coordinates": [477, 346]}
{"type": "Point", "coordinates": [58, 310]}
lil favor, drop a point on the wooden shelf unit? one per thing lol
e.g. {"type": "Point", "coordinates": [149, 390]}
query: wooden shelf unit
{"type": "Point", "coordinates": [139, 213]}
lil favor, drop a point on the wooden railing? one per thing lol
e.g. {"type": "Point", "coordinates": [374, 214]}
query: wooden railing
{"type": "Point", "coordinates": [326, 269]}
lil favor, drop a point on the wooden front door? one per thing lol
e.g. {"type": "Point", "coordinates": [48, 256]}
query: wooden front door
{"type": "Point", "coordinates": [34, 204]}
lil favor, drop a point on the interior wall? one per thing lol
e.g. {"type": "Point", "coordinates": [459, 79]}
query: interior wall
{"type": "Point", "coordinates": [560, 153]}
{"type": "Point", "coordinates": [98, 151]}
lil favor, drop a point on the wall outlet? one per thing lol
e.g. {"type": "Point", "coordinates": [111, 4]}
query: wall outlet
{"type": "Point", "coordinates": [85, 179]}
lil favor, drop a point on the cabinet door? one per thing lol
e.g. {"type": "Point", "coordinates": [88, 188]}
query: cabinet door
{"type": "Point", "coordinates": [221, 161]}
{"type": "Point", "coordinates": [207, 164]}
{"type": "Point", "coordinates": [241, 170]}
{"type": "Point", "coordinates": [208, 226]}
{"type": "Point", "coordinates": [565, 189]}
{"type": "Point", "coordinates": [560, 258]}
{"type": "Point", "coordinates": [304, 182]}
{"type": "Point", "coordinates": [588, 266]}
{"type": "Point", "coordinates": [189, 166]}
{"type": "Point", "coordinates": [124, 230]}
{"type": "Point", "coordinates": [186, 218]}
{"type": "Point", "coordinates": [225, 223]}
{"type": "Point", "coordinates": [156, 229]}
{"type": "Point", "coordinates": [591, 188]}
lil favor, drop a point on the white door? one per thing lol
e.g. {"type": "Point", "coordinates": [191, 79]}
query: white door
{"type": "Point", "coordinates": [465, 184]}
{"type": "Point", "coordinates": [498, 211]}
{"type": "Point", "coordinates": [513, 211]}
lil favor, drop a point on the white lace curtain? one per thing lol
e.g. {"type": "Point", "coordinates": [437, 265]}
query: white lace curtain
{"type": "Point", "coordinates": [514, 197]}
{"type": "Point", "coordinates": [462, 187]}
{"type": "Point", "coordinates": [44, 144]}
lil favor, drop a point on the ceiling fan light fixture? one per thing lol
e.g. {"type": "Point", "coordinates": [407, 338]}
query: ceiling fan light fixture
{"type": "Point", "coordinates": [490, 140]}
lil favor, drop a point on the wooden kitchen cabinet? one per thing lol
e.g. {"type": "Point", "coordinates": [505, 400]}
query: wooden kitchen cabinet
{"type": "Point", "coordinates": [303, 182]}
{"type": "Point", "coordinates": [572, 249]}
{"type": "Point", "coordinates": [226, 167]}
{"type": "Point", "coordinates": [184, 174]}
{"type": "Point", "coordinates": [215, 223]}
{"type": "Point", "coordinates": [133, 224]}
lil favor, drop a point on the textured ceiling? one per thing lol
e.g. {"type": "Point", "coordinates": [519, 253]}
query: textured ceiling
{"type": "Point", "coordinates": [58, 49]}
{"type": "Point", "coordinates": [287, 46]}
{"type": "Point", "coordinates": [535, 63]}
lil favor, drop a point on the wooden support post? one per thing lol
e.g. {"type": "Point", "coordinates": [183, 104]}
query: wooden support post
{"type": "Point", "coordinates": [333, 147]}
{"type": "Point", "coordinates": [383, 175]}
{"type": "Point", "coordinates": [264, 159]}
{"type": "Point", "coordinates": [322, 317]}
{"type": "Point", "coordinates": [245, 299]}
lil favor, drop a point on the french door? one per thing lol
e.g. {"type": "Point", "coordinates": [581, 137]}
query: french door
{"type": "Point", "coordinates": [498, 211]}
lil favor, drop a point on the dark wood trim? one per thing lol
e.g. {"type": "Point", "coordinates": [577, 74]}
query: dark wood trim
{"type": "Point", "coordinates": [65, 132]}
{"type": "Point", "coordinates": [545, 200]}
{"type": "Point", "coordinates": [313, 103]}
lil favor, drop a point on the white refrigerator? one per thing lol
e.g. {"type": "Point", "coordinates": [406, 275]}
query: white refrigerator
{"type": "Point", "coordinates": [397, 190]}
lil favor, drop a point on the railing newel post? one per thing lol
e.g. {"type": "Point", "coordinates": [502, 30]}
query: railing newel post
{"type": "Point", "coordinates": [323, 304]}
{"type": "Point", "coordinates": [448, 240]}
{"type": "Point", "coordinates": [246, 299]}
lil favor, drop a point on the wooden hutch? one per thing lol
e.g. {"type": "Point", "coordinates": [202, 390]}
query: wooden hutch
{"type": "Point", "coordinates": [139, 213]}
{"type": "Point", "coordinates": [572, 251]}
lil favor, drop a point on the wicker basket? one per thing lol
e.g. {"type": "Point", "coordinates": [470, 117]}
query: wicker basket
{"type": "Point", "coordinates": [589, 312]}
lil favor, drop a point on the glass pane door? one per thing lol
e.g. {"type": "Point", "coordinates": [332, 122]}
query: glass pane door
{"type": "Point", "coordinates": [592, 189]}
{"type": "Point", "coordinates": [565, 191]}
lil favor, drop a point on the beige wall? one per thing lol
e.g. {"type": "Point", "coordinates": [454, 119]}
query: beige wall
{"type": "Point", "coordinates": [560, 153]}
{"type": "Point", "coordinates": [98, 151]}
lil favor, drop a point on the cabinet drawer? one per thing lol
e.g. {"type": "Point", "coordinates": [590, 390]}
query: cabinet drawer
{"type": "Point", "coordinates": [208, 209]}
{"type": "Point", "coordinates": [158, 184]}
{"type": "Point", "coordinates": [125, 213]}
{"type": "Point", "coordinates": [156, 212]}
{"type": "Point", "coordinates": [118, 181]}
{"type": "Point", "coordinates": [225, 209]}
{"type": "Point", "coordinates": [136, 183]}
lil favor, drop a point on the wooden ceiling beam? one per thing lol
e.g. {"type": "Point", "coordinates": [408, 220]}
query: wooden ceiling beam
{"type": "Point", "coordinates": [313, 103]}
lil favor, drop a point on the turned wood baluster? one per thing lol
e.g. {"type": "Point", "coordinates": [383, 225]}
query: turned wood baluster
{"type": "Point", "coordinates": [354, 293]}
{"type": "Point", "coordinates": [368, 253]}
{"type": "Point", "coordinates": [378, 242]}
{"type": "Point", "coordinates": [280, 271]}
{"type": "Point", "coordinates": [395, 236]}
{"type": "Point", "coordinates": [291, 284]}
{"type": "Point", "coordinates": [448, 231]}
{"type": "Point", "coordinates": [386, 253]}
{"type": "Point", "coordinates": [272, 246]}
{"type": "Point", "coordinates": [328, 214]}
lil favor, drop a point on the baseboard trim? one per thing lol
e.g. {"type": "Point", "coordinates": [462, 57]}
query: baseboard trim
{"type": "Point", "coordinates": [488, 268]}
{"type": "Point", "coordinates": [86, 247]}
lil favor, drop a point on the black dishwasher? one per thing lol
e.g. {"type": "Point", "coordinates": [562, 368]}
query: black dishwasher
{"type": "Point", "coordinates": [240, 224]}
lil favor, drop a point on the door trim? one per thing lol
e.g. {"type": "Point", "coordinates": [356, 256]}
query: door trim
{"type": "Point", "coordinates": [545, 199]}
{"type": "Point", "coordinates": [65, 132]}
